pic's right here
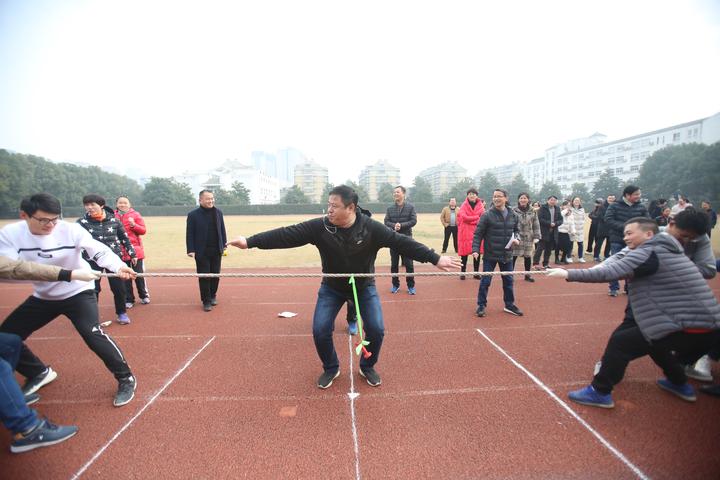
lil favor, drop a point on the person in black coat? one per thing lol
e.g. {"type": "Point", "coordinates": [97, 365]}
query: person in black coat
{"type": "Point", "coordinates": [601, 236]}
{"type": "Point", "coordinates": [401, 217]}
{"type": "Point", "coordinates": [550, 218]}
{"type": "Point", "coordinates": [594, 222]}
{"type": "Point", "coordinates": [205, 239]}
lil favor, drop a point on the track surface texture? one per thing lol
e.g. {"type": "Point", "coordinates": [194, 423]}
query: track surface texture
{"type": "Point", "coordinates": [232, 394]}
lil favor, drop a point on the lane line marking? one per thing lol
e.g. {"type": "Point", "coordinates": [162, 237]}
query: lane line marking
{"type": "Point", "coordinates": [353, 395]}
{"type": "Point", "coordinates": [137, 415]}
{"type": "Point", "coordinates": [567, 408]}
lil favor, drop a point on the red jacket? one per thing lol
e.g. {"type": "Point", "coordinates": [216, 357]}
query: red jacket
{"type": "Point", "coordinates": [133, 232]}
{"type": "Point", "coordinates": [468, 219]}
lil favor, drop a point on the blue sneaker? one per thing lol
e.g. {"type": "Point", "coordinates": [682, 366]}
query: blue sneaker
{"type": "Point", "coordinates": [394, 289]}
{"type": "Point", "coordinates": [352, 328]}
{"type": "Point", "coordinates": [43, 435]}
{"type": "Point", "coordinates": [123, 319]}
{"type": "Point", "coordinates": [685, 391]}
{"type": "Point", "coordinates": [590, 396]}
{"type": "Point", "coordinates": [411, 291]}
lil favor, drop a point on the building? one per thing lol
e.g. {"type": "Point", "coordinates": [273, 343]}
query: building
{"type": "Point", "coordinates": [312, 179]}
{"type": "Point", "coordinates": [372, 177]}
{"type": "Point", "coordinates": [504, 173]}
{"type": "Point", "coordinates": [443, 177]}
{"type": "Point", "coordinates": [280, 164]}
{"type": "Point", "coordinates": [583, 160]}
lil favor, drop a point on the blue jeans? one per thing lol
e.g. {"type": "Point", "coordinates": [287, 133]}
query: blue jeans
{"type": "Point", "coordinates": [615, 247]}
{"type": "Point", "coordinates": [329, 303]}
{"type": "Point", "coordinates": [14, 413]}
{"type": "Point", "coordinates": [507, 281]}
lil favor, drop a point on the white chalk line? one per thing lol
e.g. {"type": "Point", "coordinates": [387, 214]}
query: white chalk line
{"type": "Point", "coordinates": [566, 407]}
{"type": "Point", "coordinates": [140, 412]}
{"type": "Point", "coordinates": [352, 395]}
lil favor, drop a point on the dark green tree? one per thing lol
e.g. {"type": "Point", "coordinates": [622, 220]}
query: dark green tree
{"type": "Point", "coordinates": [459, 190]}
{"type": "Point", "coordinates": [385, 193]}
{"type": "Point", "coordinates": [580, 190]}
{"type": "Point", "coordinates": [241, 193]}
{"type": "Point", "coordinates": [167, 191]}
{"type": "Point", "coordinates": [363, 196]}
{"type": "Point", "coordinates": [549, 188]}
{"type": "Point", "coordinates": [487, 185]}
{"type": "Point", "coordinates": [224, 197]}
{"type": "Point", "coordinates": [517, 186]}
{"type": "Point", "coordinates": [607, 184]}
{"type": "Point", "coordinates": [420, 192]}
{"type": "Point", "coordinates": [326, 192]}
{"type": "Point", "coordinates": [295, 195]}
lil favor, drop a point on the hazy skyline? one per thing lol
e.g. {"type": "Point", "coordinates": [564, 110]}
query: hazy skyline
{"type": "Point", "coordinates": [169, 86]}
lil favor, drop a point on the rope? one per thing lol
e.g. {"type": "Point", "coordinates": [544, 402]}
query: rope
{"type": "Point", "coordinates": [329, 275]}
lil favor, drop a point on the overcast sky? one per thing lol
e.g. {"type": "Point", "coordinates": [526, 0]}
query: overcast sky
{"type": "Point", "coordinates": [171, 85]}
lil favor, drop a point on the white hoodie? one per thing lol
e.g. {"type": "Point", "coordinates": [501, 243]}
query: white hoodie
{"type": "Point", "coordinates": [62, 248]}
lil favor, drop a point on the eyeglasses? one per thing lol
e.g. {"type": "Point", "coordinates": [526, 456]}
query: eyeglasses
{"type": "Point", "coordinates": [45, 221]}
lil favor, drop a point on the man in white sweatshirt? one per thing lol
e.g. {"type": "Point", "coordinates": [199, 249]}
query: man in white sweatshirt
{"type": "Point", "coordinates": [42, 237]}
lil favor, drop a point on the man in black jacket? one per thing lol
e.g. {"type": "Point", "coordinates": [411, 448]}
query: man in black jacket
{"type": "Point", "coordinates": [205, 239]}
{"type": "Point", "coordinates": [401, 217]}
{"type": "Point", "coordinates": [601, 236]}
{"type": "Point", "coordinates": [549, 218]}
{"type": "Point", "coordinates": [348, 243]}
{"type": "Point", "coordinates": [617, 214]}
{"type": "Point", "coordinates": [498, 227]}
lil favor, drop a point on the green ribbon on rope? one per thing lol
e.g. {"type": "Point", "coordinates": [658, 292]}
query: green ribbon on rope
{"type": "Point", "coordinates": [360, 346]}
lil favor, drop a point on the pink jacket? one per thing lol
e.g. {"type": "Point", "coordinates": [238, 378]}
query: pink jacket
{"type": "Point", "coordinates": [133, 232]}
{"type": "Point", "coordinates": [468, 219]}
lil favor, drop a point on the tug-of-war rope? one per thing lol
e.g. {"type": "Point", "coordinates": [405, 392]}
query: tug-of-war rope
{"type": "Point", "coordinates": [361, 344]}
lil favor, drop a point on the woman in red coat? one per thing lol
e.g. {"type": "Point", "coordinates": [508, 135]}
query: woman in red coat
{"type": "Point", "coordinates": [135, 227]}
{"type": "Point", "coordinates": [468, 217]}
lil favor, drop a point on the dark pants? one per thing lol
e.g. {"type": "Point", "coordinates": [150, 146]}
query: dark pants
{"type": "Point", "coordinates": [599, 240]}
{"type": "Point", "coordinates": [117, 285]}
{"type": "Point", "coordinates": [615, 247]}
{"type": "Point", "coordinates": [507, 281]}
{"type": "Point", "coordinates": [142, 289]}
{"type": "Point", "coordinates": [544, 247]}
{"type": "Point", "coordinates": [627, 343]}
{"type": "Point", "coordinates": [82, 310]}
{"type": "Point", "coordinates": [527, 263]}
{"type": "Point", "coordinates": [564, 246]}
{"type": "Point", "coordinates": [476, 263]}
{"type": "Point", "coordinates": [395, 268]}
{"type": "Point", "coordinates": [329, 303]}
{"type": "Point", "coordinates": [209, 262]}
{"type": "Point", "coordinates": [450, 231]}
{"type": "Point", "coordinates": [591, 236]}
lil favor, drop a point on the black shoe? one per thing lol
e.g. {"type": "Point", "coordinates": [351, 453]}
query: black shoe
{"type": "Point", "coordinates": [514, 310]}
{"type": "Point", "coordinates": [476, 277]}
{"type": "Point", "coordinates": [34, 384]}
{"type": "Point", "coordinates": [444, 251]}
{"type": "Point", "coordinates": [528, 278]}
{"type": "Point", "coordinates": [207, 307]}
{"type": "Point", "coordinates": [545, 266]}
{"type": "Point", "coordinates": [126, 391]}
{"type": "Point", "coordinates": [213, 301]}
{"type": "Point", "coordinates": [480, 312]}
{"type": "Point", "coordinates": [713, 390]}
{"type": "Point", "coordinates": [372, 377]}
{"type": "Point", "coordinates": [462, 277]}
{"type": "Point", "coordinates": [326, 379]}
{"type": "Point", "coordinates": [31, 398]}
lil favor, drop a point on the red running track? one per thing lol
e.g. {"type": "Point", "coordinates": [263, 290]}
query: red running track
{"type": "Point", "coordinates": [231, 393]}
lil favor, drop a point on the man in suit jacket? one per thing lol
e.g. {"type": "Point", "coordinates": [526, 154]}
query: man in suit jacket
{"type": "Point", "coordinates": [206, 239]}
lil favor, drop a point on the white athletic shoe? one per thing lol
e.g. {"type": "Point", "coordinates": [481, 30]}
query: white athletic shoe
{"type": "Point", "coordinates": [581, 260]}
{"type": "Point", "coordinates": [701, 370]}
{"type": "Point", "coordinates": [569, 260]}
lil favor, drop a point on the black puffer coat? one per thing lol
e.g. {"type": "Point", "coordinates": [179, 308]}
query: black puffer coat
{"type": "Point", "coordinates": [496, 230]}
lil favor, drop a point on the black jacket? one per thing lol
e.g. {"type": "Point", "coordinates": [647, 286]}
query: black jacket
{"type": "Point", "coordinates": [404, 215]}
{"type": "Point", "coordinates": [617, 214]}
{"type": "Point", "coordinates": [602, 228]}
{"type": "Point", "coordinates": [496, 231]}
{"type": "Point", "coordinates": [544, 218]}
{"type": "Point", "coordinates": [109, 231]}
{"type": "Point", "coordinates": [198, 222]}
{"type": "Point", "coordinates": [344, 250]}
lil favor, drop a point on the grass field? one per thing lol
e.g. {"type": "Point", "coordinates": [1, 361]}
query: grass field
{"type": "Point", "coordinates": [165, 242]}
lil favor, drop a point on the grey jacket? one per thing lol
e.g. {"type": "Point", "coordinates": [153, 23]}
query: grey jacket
{"type": "Point", "coordinates": [666, 289]}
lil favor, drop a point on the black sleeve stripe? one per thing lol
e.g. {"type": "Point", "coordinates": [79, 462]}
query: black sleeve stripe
{"type": "Point", "coordinates": [66, 247]}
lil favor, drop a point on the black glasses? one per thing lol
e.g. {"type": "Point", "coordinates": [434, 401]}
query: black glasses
{"type": "Point", "coordinates": [45, 221]}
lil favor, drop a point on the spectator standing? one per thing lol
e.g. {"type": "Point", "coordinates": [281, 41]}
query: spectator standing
{"type": "Point", "coordinates": [681, 205]}
{"type": "Point", "coordinates": [712, 216]}
{"type": "Point", "coordinates": [663, 219]}
{"type": "Point", "coordinates": [602, 233]}
{"type": "Point", "coordinates": [594, 222]}
{"type": "Point", "coordinates": [617, 214]}
{"type": "Point", "coordinates": [448, 218]}
{"type": "Point", "coordinates": [550, 218]}
{"type": "Point", "coordinates": [468, 217]}
{"type": "Point", "coordinates": [529, 232]}
{"type": "Point", "coordinates": [655, 207]}
{"type": "Point", "coordinates": [577, 217]}
{"type": "Point", "coordinates": [134, 225]}
{"type": "Point", "coordinates": [205, 239]}
{"type": "Point", "coordinates": [401, 217]}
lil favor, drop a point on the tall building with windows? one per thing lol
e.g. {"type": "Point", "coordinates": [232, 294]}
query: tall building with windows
{"type": "Point", "coordinates": [311, 178]}
{"type": "Point", "coordinates": [443, 177]}
{"type": "Point", "coordinates": [583, 160]}
{"type": "Point", "coordinates": [373, 176]}
{"type": "Point", "coordinates": [280, 164]}
{"type": "Point", "coordinates": [263, 188]}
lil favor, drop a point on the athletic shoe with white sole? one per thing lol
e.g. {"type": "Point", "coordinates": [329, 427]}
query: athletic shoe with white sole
{"type": "Point", "coordinates": [372, 377]}
{"type": "Point", "coordinates": [34, 384]}
{"type": "Point", "coordinates": [326, 379]}
{"type": "Point", "coordinates": [685, 391]}
{"type": "Point", "coordinates": [701, 370]}
{"type": "Point", "coordinates": [126, 391]}
{"type": "Point", "coordinates": [590, 396]}
{"type": "Point", "coordinates": [43, 435]}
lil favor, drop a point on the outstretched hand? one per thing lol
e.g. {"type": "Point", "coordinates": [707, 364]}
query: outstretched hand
{"type": "Point", "coordinates": [557, 272]}
{"type": "Point", "coordinates": [448, 263]}
{"type": "Point", "coordinates": [239, 242]}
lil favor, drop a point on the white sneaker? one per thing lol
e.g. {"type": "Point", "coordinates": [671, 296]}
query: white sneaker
{"type": "Point", "coordinates": [701, 370]}
{"type": "Point", "coordinates": [581, 260]}
{"type": "Point", "coordinates": [569, 260]}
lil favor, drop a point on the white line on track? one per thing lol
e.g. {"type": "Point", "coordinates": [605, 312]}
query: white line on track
{"type": "Point", "coordinates": [142, 410]}
{"type": "Point", "coordinates": [353, 395]}
{"type": "Point", "coordinates": [567, 408]}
